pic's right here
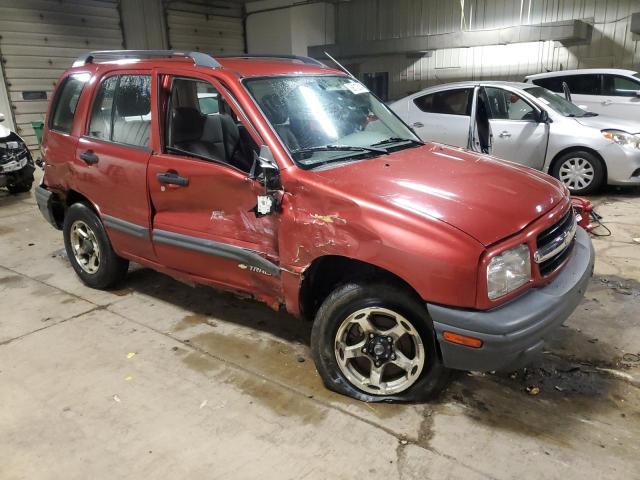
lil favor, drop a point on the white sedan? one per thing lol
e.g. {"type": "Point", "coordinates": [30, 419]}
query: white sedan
{"type": "Point", "coordinates": [530, 125]}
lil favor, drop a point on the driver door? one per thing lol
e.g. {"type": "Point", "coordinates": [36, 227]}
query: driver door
{"type": "Point", "coordinates": [203, 219]}
{"type": "Point", "coordinates": [517, 134]}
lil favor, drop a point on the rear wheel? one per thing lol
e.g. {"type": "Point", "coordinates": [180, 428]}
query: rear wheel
{"type": "Point", "coordinates": [89, 249]}
{"type": "Point", "coordinates": [581, 171]}
{"type": "Point", "coordinates": [375, 342]}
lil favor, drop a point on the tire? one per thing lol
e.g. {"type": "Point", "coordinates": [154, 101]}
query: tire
{"type": "Point", "coordinates": [585, 165]}
{"type": "Point", "coordinates": [336, 320]}
{"type": "Point", "coordinates": [83, 229]}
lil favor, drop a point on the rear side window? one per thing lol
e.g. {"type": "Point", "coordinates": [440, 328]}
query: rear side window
{"type": "Point", "coordinates": [450, 102]}
{"type": "Point", "coordinates": [617, 86]}
{"type": "Point", "coordinates": [66, 101]}
{"type": "Point", "coordinates": [122, 110]}
{"type": "Point", "coordinates": [584, 84]}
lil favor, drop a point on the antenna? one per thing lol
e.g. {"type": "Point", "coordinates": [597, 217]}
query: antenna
{"type": "Point", "coordinates": [340, 65]}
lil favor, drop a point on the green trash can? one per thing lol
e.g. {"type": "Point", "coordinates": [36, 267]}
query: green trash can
{"type": "Point", "coordinates": [38, 126]}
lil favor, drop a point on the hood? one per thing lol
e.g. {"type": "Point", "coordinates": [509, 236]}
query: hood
{"type": "Point", "coordinates": [603, 122]}
{"type": "Point", "coordinates": [486, 198]}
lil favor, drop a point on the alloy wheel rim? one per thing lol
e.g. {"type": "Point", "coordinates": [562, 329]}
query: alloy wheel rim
{"type": "Point", "coordinates": [84, 244]}
{"type": "Point", "coordinates": [379, 351]}
{"type": "Point", "coordinates": [576, 173]}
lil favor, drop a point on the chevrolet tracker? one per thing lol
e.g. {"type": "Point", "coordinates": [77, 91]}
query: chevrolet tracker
{"type": "Point", "coordinates": [288, 180]}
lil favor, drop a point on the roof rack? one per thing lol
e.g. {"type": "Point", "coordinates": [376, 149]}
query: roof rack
{"type": "Point", "coordinates": [199, 59]}
{"type": "Point", "coordinates": [306, 60]}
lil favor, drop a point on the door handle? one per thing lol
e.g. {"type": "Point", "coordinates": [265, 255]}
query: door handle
{"type": "Point", "coordinates": [504, 134]}
{"type": "Point", "coordinates": [607, 102]}
{"type": "Point", "coordinates": [170, 178]}
{"type": "Point", "coordinates": [89, 157]}
{"type": "Point", "coordinates": [417, 124]}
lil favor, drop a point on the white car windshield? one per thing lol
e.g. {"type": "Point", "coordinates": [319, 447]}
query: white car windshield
{"type": "Point", "coordinates": [557, 103]}
{"type": "Point", "coordinates": [327, 118]}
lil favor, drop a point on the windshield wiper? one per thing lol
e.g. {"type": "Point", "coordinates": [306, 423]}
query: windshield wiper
{"type": "Point", "coordinates": [397, 140]}
{"type": "Point", "coordinates": [340, 148]}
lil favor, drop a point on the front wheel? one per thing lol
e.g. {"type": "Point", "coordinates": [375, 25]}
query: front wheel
{"type": "Point", "coordinates": [89, 249]}
{"type": "Point", "coordinates": [581, 171]}
{"type": "Point", "coordinates": [375, 342]}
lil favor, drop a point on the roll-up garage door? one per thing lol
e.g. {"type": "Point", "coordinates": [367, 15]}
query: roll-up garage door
{"type": "Point", "coordinates": [39, 39]}
{"type": "Point", "coordinates": [211, 30]}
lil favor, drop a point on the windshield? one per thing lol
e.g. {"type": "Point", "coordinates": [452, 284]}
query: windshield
{"type": "Point", "coordinates": [556, 102]}
{"type": "Point", "coordinates": [325, 118]}
{"type": "Point", "coordinates": [637, 75]}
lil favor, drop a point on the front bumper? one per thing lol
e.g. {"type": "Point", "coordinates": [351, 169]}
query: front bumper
{"type": "Point", "coordinates": [513, 334]}
{"type": "Point", "coordinates": [623, 165]}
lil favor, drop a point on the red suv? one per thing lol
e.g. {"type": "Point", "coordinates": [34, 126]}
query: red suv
{"type": "Point", "coordinates": [288, 180]}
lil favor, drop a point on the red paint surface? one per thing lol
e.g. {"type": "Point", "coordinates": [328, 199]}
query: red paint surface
{"type": "Point", "coordinates": [432, 215]}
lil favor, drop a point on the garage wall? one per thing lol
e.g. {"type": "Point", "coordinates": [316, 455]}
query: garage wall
{"type": "Point", "coordinates": [39, 39]}
{"type": "Point", "coordinates": [612, 43]}
{"type": "Point", "coordinates": [211, 29]}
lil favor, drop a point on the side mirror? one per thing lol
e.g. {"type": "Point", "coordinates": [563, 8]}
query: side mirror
{"type": "Point", "coordinates": [1, 117]}
{"type": "Point", "coordinates": [265, 170]}
{"type": "Point", "coordinates": [543, 117]}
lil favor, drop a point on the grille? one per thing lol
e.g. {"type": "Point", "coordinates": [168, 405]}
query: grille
{"type": "Point", "coordinates": [555, 243]}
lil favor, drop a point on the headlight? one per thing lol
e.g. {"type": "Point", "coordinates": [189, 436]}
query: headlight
{"type": "Point", "coordinates": [622, 138]}
{"type": "Point", "coordinates": [508, 271]}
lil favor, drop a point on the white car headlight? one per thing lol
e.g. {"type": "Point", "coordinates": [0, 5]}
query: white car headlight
{"type": "Point", "coordinates": [508, 270]}
{"type": "Point", "coordinates": [622, 138]}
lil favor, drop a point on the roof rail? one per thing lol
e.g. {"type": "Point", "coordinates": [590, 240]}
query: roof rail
{"type": "Point", "coordinates": [307, 60]}
{"type": "Point", "coordinates": [199, 59]}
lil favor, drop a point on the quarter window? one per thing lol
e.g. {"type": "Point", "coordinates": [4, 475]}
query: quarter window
{"type": "Point", "coordinates": [66, 101]}
{"type": "Point", "coordinates": [506, 105]}
{"type": "Point", "coordinates": [450, 102]}
{"type": "Point", "coordinates": [122, 110]}
{"type": "Point", "coordinates": [554, 84]}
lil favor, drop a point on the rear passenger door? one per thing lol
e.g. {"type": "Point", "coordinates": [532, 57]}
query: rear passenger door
{"type": "Point", "coordinates": [443, 116]}
{"type": "Point", "coordinates": [204, 222]}
{"type": "Point", "coordinates": [112, 155]}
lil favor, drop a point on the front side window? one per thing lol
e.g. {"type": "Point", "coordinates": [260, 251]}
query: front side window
{"type": "Point", "coordinates": [617, 86]}
{"type": "Point", "coordinates": [122, 110]}
{"type": "Point", "coordinates": [201, 124]}
{"type": "Point", "coordinates": [506, 105]}
{"type": "Point", "coordinates": [66, 101]}
{"type": "Point", "coordinates": [449, 102]}
{"type": "Point", "coordinates": [327, 118]}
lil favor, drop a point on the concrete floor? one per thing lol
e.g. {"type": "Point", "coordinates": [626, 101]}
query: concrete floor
{"type": "Point", "coordinates": [162, 380]}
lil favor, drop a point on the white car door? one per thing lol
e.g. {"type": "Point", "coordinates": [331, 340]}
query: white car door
{"type": "Point", "coordinates": [517, 134]}
{"type": "Point", "coordinates": [443, 116]}
{"type": "Point", "coordinates": [621, 97]}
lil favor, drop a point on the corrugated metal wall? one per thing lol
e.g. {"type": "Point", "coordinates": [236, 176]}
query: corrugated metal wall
{"type": "Point", "coordinates": [39, 39]}
{"type": "Point", "coordinates": [612, 45]}
{"type": "Point", "coordinates": [215, 30]}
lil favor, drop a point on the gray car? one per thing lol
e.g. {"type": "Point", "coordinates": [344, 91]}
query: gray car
{"type": "Point", "coordinates": [531, 125]}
